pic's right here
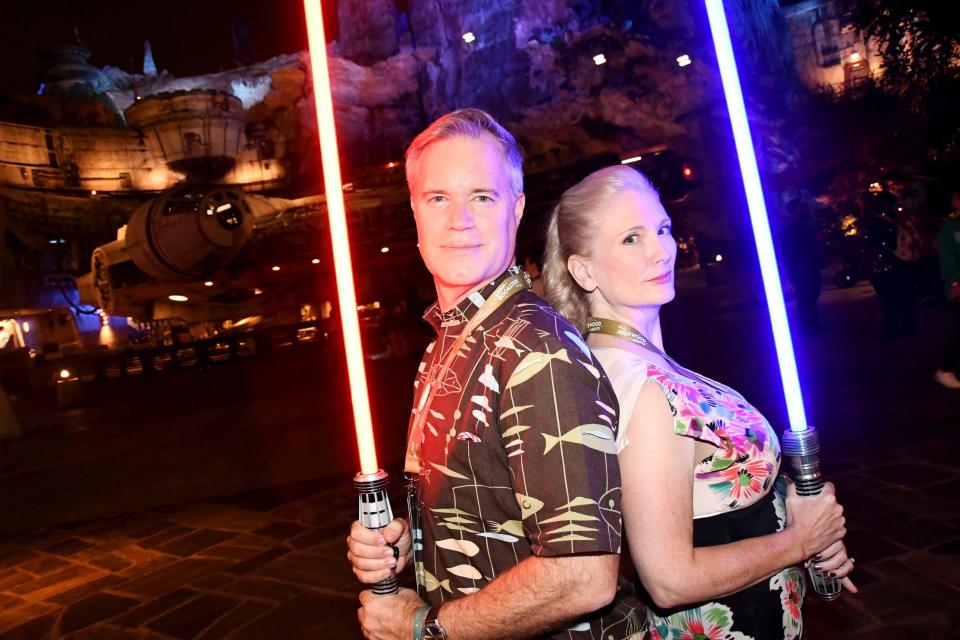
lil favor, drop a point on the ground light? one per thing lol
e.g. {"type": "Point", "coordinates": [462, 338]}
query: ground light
{"type": "Point", "coordinates": [801, 446]}
{"type": "Point", "coordinates": [371, 482]}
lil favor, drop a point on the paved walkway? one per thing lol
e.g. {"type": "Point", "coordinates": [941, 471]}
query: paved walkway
{"type": "Point", "coordinates": [267, 565]}
{"type": "Point", "coordinates": [270, 563]}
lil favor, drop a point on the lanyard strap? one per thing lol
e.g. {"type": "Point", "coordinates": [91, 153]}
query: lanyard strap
{"type": "Point", "coordinates": [624, 331]}
{"type": "Point", "coordinates": [512, 285]}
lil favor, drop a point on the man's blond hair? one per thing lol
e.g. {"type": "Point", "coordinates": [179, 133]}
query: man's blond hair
{"type": "Point", "coordinates": [470, 123]}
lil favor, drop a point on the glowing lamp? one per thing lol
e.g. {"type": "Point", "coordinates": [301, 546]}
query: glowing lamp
{"type": "Point", "coordinates": [687, 172]}
{"type": "Point", "coordinates": [855, 56]}
{"type": "Point", "coordinates": [274, 268]}
{"type": "Point", "coordinates": [684, 60]}
{"type": "Point", "coordinates": [631, 160]}
{"type": "Point", "coordinates": [176, 297]}
{"type": "Point", "coordinates": [315, 261]}
{"type": "Point", "coordinates": [801, 445]}
{"type": "Point", "coordinates": [26, 326]}
{"type": "Point", "coordinates": [64, 374]}
{"type": "Point", "coordinates": [384, 249]}
{"type": "Point", "coordinates": [93, 192]}
{"type": "Point", "coordinates": [208, 283]}
{"type": "Point", "coordinates": [599, 59]}
{"type": "Point", "coordinates": [719, 258]}
{"type": "Point", "coordinates": [468, 37]}
{"type": "Point", "coordinates": [374, 511]}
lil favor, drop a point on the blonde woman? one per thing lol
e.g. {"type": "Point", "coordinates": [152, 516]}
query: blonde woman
{"type": "Point", "coordinates": [715, 535]}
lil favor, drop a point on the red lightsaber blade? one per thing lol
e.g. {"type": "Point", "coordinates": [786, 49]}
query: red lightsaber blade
{"type": "Point", "coordinates": [371, 482]}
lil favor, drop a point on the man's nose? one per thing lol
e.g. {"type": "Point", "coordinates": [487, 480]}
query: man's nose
{"type": "Point", "coordinates": [461, 217]}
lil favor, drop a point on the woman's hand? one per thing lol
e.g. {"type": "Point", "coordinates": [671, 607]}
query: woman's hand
{"type": "Point", "coordinates": [816, 521]}
{"type": "Point", "coordinates": [374, 554]}
{"type": "Point", "coordinates": [834, 560]}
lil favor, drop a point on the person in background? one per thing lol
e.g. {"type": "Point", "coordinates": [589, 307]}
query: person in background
{"type": "Point", "coordinates": [803, 257]}
{"type": "Point", "coordinates": [948, 241]}
{"type": "Point", "coordinates": [889, 274]}
{"type": "Point", "coordinates": [9, 428]}
{"type": "Point", "coordinates": [532, 266]}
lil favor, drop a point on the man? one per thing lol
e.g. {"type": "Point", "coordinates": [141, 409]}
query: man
{"type": "Point", "coordinates": [949, 243]}
{"type": "Point", "coordinates": [803, 258]}
{"type": "Point", "coordinates": [9, 428]}
{"type": "Point", "coordinates": [890, 276]}
{"type": "Point", "coordinates": [517, 507]}
{"type": "Point", "coordinates": [534, 269]}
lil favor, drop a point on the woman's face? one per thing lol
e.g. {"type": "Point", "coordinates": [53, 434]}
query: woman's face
{"type": "Point", "coordinates": [632, 254]}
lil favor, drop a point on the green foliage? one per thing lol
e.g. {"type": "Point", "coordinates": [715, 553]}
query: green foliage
{"type": "Point", "coordinates": [919, 40]}
{"type": "Point", "coordinates": [910, 115]}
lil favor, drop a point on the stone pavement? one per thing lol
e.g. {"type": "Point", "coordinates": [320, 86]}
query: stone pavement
{"type": "Point", "coordinates": [271, 564]}
{"type": "Point", "coordinates": [265, 565]}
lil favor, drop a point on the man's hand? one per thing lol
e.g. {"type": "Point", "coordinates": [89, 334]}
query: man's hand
{"type": "Point", "coordinates": [388, 617]}
{"type": "Point", "coordinates": [370, 552]}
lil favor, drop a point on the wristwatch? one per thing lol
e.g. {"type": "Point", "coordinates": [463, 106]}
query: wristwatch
{"type": "Point", "coordinates": [432, 629]}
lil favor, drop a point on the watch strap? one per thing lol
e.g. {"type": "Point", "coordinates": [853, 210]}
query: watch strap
{"type": "Point", "coordinates": [432, 629]}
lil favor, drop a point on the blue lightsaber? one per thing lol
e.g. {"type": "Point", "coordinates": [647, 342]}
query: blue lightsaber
{"type": "Point", "coordinates": [801, 445]}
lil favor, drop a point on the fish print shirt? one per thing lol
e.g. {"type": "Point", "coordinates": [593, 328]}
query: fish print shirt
{"type": "Point", "coordinates": [518, 456]}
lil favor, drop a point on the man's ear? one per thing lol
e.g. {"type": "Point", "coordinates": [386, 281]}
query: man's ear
{"type": "Point", "coordinates": [579, 268]}
{"type": "Point", "coordinates": [518, 207]}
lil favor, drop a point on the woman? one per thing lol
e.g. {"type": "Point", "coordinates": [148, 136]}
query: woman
{"type": "Point", "coordinates": [709, 521]}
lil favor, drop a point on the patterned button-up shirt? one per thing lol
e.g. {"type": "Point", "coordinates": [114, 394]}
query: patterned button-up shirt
{"type": "Point", "coordinates": [518, 456]}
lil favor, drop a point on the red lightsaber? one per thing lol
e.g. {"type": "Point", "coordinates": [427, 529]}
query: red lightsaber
{"type": "Point", "coordinates": [371, 481]}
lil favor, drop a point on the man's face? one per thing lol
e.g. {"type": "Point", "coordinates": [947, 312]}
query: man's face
{"type": "Point", "coordinates": [466, 213]}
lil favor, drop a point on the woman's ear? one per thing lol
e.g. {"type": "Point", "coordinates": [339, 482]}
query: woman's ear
{"type": "Point", "coordinates": [579, 268]}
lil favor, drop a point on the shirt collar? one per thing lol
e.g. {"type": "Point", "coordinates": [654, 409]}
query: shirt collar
{"type": "Point", "coordinates": [461, 313]}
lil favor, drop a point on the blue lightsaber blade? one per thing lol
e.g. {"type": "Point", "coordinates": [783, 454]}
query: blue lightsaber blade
{"type": "Point", "coordinates": [801, 444]}
{"type": "Point", "coordinates": [758, 215]}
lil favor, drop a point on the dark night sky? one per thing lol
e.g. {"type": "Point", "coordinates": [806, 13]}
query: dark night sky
{"type": "Point", "coordinates": [188, 37]}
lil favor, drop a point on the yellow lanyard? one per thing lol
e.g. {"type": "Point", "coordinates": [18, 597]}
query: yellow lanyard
{"type": "Point", "coordinates": [512, 285]}
{"type": "Point", "coordinates": [626, 332]}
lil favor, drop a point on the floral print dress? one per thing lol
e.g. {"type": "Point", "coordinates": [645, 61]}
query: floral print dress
{"type": "Point", "coordinates": [737, 494]}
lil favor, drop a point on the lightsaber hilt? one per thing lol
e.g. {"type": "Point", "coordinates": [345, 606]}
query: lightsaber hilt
{"type": "Point", "coordinates": [375, 513]}
{"type": "Point", "coordinates": [801, 451]}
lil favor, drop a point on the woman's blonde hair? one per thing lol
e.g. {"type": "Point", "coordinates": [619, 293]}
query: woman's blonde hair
{"type": "Point", "coordinates": [569, 232]}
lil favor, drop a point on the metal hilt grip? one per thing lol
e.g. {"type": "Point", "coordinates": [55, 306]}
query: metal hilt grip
{"type": "Point", "coordinates": [374, 512]}
{"type": "Point", "coordinates": [801, 452]}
